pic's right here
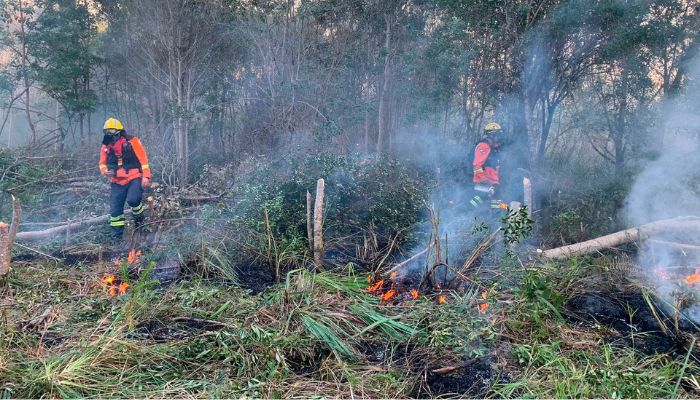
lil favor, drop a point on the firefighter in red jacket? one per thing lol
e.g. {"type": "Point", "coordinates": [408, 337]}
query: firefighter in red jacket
{"type": "Point", "coordinates": [486, 163]}
{"type": "Point", "coordinates": [124, 161]}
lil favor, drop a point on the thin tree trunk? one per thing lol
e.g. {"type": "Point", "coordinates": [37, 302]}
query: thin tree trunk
{"type": "Point", "coordinates": [25, 74]}
{"type": "Point", "coordinates": [9, 133]}
{"type": "Point", "coordinates": [381, 116]}
{"type": "Point", "coordinates": [57, 128]}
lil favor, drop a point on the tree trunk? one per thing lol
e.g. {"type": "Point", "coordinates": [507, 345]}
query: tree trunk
{"type": "Point", "coordinates": [25, 73]}
{"type": "Point", "coordinates": [381, 116]}
{"type": "Point", "coordinates": [621, 237]}
{"type": "Point", "coordinates": [9, 133]}
{"type": "Point", "coordinates": [72, 226]}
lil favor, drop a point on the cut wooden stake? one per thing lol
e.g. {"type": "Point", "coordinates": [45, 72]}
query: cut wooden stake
{"type": "Point", "coordinates": [621, 237]}
{"type": "Point", "coordinates": [318, 224]}
{"type": "Point", "coordinates": [309, 221]}
{"type": "Point", "coordinates": [527, 195]}
{"type": "Point", "coordinates": [7, 237]}
{"type": "Point", "coordinates": [5, 248]}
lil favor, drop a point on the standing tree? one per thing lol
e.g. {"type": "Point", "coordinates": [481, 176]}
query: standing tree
{"type": "Point", "coordinates": [20, 14]}
{"type": "Point", "coordinates": [172, 47]}
{"type": "Point", "coordinates": [62, 46]}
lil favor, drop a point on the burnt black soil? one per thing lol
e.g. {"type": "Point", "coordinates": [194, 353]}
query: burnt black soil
{"type": "Point", "coordinates": [626, 314]}
{"type": "Point", "coordinates": [255, 277]}
{"type": "Point", "coordinates": [473, 379]}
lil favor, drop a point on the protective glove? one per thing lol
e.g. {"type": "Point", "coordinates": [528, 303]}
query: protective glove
{"type": "Point", "coordinates": [108, 173]}
{"type": "Point", "coordinates": [145, 182]}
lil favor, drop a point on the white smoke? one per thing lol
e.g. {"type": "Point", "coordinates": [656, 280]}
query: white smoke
{"type": "Point", "coordinates": [668, 187]}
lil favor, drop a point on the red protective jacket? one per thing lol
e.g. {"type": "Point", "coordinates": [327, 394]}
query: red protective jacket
{"type": "Point", "coordinates": [485, 171]}
{"type": "Point", "coordinates": [126, 158]}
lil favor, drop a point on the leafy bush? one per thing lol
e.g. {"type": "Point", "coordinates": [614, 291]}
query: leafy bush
{"type": "Point", "coordinates": [580, 200]}
{"type": "Point", "coordinates": [359, 192]}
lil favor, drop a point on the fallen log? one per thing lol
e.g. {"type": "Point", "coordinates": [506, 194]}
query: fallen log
{"type": "Point", "coordinates": [618, 238]}
{"type": "Point", "coordinates": [69, 226]}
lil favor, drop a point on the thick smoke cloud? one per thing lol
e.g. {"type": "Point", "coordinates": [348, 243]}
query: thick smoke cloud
{"type": "Point", "coordinates": [668, 187]}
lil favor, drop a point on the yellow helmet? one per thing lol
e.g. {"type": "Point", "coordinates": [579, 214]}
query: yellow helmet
{"type": "Point", "coordinates": [491, 127]}
{"type": "Point", "coordinates": [113, 123]}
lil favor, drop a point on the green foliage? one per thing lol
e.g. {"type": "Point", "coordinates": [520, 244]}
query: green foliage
{"type": "Point", "coordinates": [539, 308]}
{"type": "Point", "coordinates": [359, 192]}
{"type": "Point", "coordinates": [62, 43]}
{"type": "Point", "coordinates": [517, 225]}
{"type": "Point", "coordinates": [551, 370]}
{"type": "Point", "coordinates": [582, 199]}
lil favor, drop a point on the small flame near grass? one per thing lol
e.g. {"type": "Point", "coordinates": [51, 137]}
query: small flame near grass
{"type": "Point", "coordinates": [693, 279]}
{"type": "Point", "coordinates": [116, 286]}
{"type": "Point", "coordinates": [414, 293]}
{"type": "Point", "coordinates": [376, 287]}
{"type": "Point", "coordinates": [389, 295]}
{"type": "Point", "coordinates": [123, 287]}
{"type": "Point", "coordinates": [484, 306]}
{"type": "Point", "coordinates": [133, 256]}
{"type": "Point", "coordinates": [442, 299]}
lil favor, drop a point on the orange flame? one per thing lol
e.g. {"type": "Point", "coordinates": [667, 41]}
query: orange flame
{"type": "Point", "coordinates": [483, 307]}
{"type": "Point", "coordinates": [369, 279]}
{"type": "Point", "coordinates": [123, 287]}
{"type": "Point", "coordinates": [376, 286]}
{"type": "Point", "coordinates": [692, 279]}
{"type": "Point", "coordinates": [133, 256]}
{"type": "Point", "coordinates": [503, 206]}
{"type": "Point", "coordinates": [392, 275]}
{"type": "Point", "coordinates": [414, 293]}
{"type": "Point", "coordinates": [112, 291]}
{"type": "Point", "coordinates": [441, 299]}
{"type": "Point", "coordinates": [388, 295]}
{"type": "Point", "coordinates": [108, 280]}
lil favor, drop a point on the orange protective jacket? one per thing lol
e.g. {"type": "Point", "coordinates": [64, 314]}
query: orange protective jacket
{"type": "Point", "coordinates": [485, 171]}
{"type": "Point", "coordinates": [126, 158]}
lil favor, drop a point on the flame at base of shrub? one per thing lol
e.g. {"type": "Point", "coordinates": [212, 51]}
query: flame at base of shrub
{"type": "Point", "coordinates": [114, 285]}
{"type": "Point", "coordinates": [390, 289]}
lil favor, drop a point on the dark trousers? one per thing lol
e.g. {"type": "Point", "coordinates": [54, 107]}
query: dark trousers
{"type": "Point", "coordinates": [131, 193]}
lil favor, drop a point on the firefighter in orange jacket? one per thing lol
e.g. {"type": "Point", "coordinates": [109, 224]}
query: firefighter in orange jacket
{"type": "Point", "coordinates": [124, 161]}
{"type": "Point", "coordinates": [486, 163]}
